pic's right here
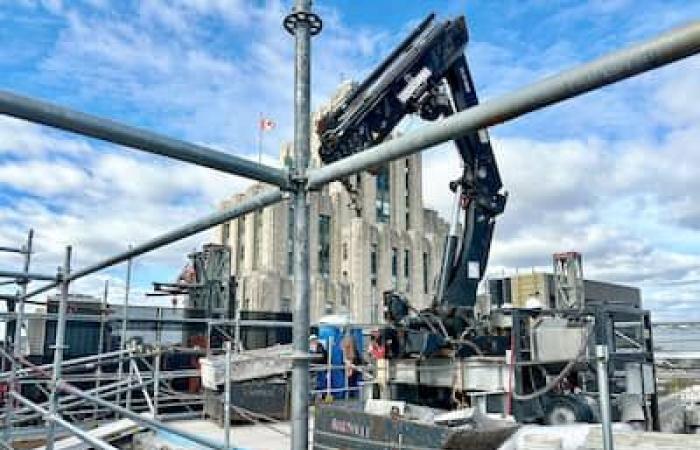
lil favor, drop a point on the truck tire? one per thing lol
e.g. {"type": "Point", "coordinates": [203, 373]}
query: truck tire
{"type": "Point", "coordinates": [566, 410]}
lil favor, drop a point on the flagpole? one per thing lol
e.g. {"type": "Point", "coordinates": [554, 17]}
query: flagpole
{"type": "Point", "coordinates": [260, 137]}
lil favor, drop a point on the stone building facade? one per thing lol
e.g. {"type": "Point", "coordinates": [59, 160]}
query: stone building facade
{"type": "Point", "coordinates": [376, 238]}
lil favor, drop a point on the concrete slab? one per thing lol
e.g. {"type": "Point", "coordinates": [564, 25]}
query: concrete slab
{"type": "Point", "coordinates": [644, 441]}
{"type": "Point", "coordinates": [248, 437]}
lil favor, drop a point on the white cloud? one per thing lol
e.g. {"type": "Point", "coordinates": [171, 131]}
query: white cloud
{"type": "Point", "coordinates": [103, 202]}
{"type": "Point", "coordinates": [176, 61]}
{"type": "Point", "coordinates": [42, 177]}
{"type": "Point", "coordinates": [21, 139]}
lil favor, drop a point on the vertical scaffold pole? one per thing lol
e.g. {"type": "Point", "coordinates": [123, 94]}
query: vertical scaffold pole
{"type": "Point", "coordinates": [101, 341]}
{"type": "Point", "coordinates": [58, 348]}
{"type": "Point", "coordinates": [156, 363]}
{"type": "Point", "coordinates": [601, 353]}
{"type": "Point", "coordinates": [130, 377]}
{"type": "Point", "coordinates": [125, 321]}
{"type": "Point", "coordinates": [17, 340]}
{"type": "Point", "coordinates": [302, 23]}
{"type": "Point", "coordinates": [227, 396]}
{"type": "Point", "coordinates": [237, 330]}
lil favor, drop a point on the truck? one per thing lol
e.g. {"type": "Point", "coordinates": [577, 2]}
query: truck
{"type": "Point", "coordinates": [535, 364]}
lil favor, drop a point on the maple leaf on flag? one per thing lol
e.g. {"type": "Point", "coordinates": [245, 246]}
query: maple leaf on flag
{"type": "Point", "coordinates": [266, 124]}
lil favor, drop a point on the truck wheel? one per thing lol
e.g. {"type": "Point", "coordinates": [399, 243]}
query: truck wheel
{"type": "Point", "coordinates": [565, 411]}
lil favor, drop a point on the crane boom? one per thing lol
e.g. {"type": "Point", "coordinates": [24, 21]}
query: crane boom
{"type": "Point", "coordinates": [428, 75]}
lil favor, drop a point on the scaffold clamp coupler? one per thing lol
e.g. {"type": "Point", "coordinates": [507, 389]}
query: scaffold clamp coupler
{"type": "Point", "coordinates": [296, 17]}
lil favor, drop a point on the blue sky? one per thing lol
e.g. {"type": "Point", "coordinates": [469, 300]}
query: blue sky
{"type": "Point", "coordinates": [613, 174]}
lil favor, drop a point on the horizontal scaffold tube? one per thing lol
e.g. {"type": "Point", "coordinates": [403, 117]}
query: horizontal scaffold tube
{"type": "Point", "coordinates": [26, 275]}
{"type": "Point", "coordinates": [11, 249]}
{"type": "Point", "coordinates": [45, 113]}
{"type": "Point", "coordinates": [664, 49]}
{"type": "Point", "coordinates": [255, 202]}
{"type": "Point", "coordinates": [144, 420]}
{"type": "Point", "coordinates": [82, 434]}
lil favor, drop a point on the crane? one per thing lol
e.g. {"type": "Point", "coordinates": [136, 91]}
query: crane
{"type": "Point", "coordinates": [428, 75]}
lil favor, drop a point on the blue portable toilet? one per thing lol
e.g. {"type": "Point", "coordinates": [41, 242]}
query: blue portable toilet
{"type": "Point", "coordinates": [331, 332]}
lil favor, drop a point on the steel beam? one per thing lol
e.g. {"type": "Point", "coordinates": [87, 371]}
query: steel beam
{"type": "Point", "coordinates": [659, 51]}
{"type": "Point", "coordinates": [45, 113]}
{"type": "Point", "coordinates": [256, 202]}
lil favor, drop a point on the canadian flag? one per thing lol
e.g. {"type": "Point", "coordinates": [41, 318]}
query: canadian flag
{"type": "Point", "coordinates": [266, 124]}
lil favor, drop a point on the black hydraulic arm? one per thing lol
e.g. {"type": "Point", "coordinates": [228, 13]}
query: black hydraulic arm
{"type": "Point", "coordinates": [408, 81]}
{"type": "Point", "coordinates": [480, 197]}
{"type": "Point", "coordinates": [427, 74]}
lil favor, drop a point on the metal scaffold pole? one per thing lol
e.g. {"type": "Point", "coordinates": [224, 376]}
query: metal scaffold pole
{"type": "Point", "coordinates": [258, 201]}
{"type": "Point", "coordinates": [101, 337]}
{"type": "Point", "coordinates": [227, 396]}
{"type": "Point", "coordinates": [91, 440]}
{"type": "Point", "coordinates": [156, 363]}
{"type": "Point", "coordinates": [601, 354]}
{"type": "Point", "coordinates": [125, 320]}
{"type": "Point", "coordinates": [142, 419]}
{"type": "Point", "coordinates": [46, 113]}
{"type": "Point", "coordinates": [302, 23]}
{"type": "Point", "coordinates": [58, 348]}
{"type": "Point", "coordinates": [17, 341]}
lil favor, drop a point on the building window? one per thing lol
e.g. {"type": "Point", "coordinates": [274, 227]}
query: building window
{"type": "Point", "coordinates": [426, 270]}
{"type": "Point", "coordinates": [324, 244]}
{"type": "Point", "coordinates": [285, 304]}
{"type": "Point", "coordinates": [394, 267]}
{"type": "Point", "coordinates": [345, 251]}
{"type": "Point", "coordinates": [241, 243]}
{"type": "Point", "coordinates": [383, 202]}
{"type": "Point", "coordinates": [407, 269]}
{"type": "Point", "coordinates": [407, 192]}
{"type": "Point", "coordinates": [290, 240]}
{"type": "Point", "coordinates": [373, 264]}
{"type": "Point", "coordinates": [225, 233]}
{"type": "Point", "coordinates": [257, 238]}
{"type": "Point", "coordinates": [344, 295]}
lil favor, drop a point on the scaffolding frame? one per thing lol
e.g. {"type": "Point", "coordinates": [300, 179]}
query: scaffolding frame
{"type": "Point", "coordinates": [295, 184]}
